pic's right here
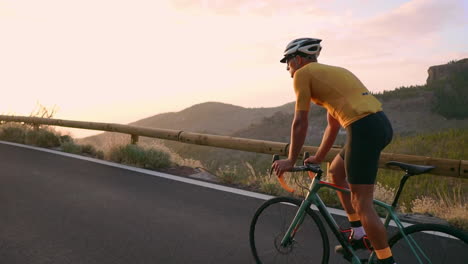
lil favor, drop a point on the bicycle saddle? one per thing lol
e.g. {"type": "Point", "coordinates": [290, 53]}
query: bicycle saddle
{"type": "Point", "coordinates": [410, 168]}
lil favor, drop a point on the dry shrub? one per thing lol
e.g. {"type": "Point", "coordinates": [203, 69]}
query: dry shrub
{"type": "Point", "coordinates": [44, 138]}
{"type": "Point", "coordinates": [384, 193]}
{"type": "Point", "coordinates": [230, 175]}
{"type": "Point", "coordinates": [44, 111]}
{"type": "Point", "coordinates": [134, 155]}
{"type": "Point", "coordinates": [176, 158]}
{"type": "Point", "coordinates": [269, 184]}
{"type": "Point", "coordinates": [262, 182]}
{"type": "Point", "coordinates": [13, 133]}
{"type": "Point", "coordinates": [112, 141]}
{"type": "Point", "coordinates": [451, 207]}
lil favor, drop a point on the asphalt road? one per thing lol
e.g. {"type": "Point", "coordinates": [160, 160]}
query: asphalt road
{"type": "Point", "coordinates": [58, 209]}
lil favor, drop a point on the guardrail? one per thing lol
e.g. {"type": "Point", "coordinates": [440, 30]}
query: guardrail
{"type": "Point", "coordinates": [444, 167]}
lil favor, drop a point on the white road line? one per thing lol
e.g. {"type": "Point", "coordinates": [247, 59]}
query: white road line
{"type": "Point", "coordinates": [172, 177]}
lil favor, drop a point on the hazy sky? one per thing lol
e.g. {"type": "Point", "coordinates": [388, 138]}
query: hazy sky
{"type": "Point", "coordinates": [121, 61]}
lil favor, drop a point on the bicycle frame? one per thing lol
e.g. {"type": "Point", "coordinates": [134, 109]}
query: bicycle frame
{"type": "Point", "coordinates": [312, 197]}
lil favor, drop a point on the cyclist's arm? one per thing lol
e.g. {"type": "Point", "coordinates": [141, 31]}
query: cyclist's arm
{"type": "Point", "coordinates": [299, 125]}
{"type": "Point", "coordinates": [298, 134]}
{"type": "Point", "coordinates": [328, 138]}
{"type": "Point", "coordinates": [300, 122]}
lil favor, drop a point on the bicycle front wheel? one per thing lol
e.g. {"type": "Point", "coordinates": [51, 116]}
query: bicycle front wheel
{"type": "Point", "coordinates": [438, 244]}
{"type": "Point", "coordinates": [269, 225]}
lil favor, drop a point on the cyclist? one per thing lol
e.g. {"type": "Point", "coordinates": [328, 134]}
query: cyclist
{"type": "Point", "coordinates": [349, 105]}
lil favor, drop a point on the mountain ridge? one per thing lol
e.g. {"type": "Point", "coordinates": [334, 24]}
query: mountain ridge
{"type": "Point", "coordinates": [410, 110]}
{"type": "Point", "coordinates": [210, 117]}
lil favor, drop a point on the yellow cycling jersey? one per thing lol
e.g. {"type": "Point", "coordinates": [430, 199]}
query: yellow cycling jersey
{"type": "Point", "coordinates": [337, 89]}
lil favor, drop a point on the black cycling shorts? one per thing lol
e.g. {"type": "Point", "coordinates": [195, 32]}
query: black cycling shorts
{"type": "Point", "coordinates": [365, 139]}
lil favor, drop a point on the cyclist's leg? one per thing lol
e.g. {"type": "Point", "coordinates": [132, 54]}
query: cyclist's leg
{"type": "Point", "coordinates": [362, 196]}
{"type": "Point", "coordinates": [367, 137]}
{"type": "Point", "coordinates": [337, 174]}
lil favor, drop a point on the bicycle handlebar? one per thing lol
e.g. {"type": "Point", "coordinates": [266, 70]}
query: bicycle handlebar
{"type": "Point", "coordinates": [315, 168]}
{"type": "Point", "coordinates": [310, 168]}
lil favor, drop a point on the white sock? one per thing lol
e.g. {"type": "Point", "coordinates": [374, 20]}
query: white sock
{"type": "Point", "coordinates": [358, 232]}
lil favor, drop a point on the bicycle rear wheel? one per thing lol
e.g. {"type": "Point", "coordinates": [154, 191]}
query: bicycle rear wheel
{"type": "Point", "coordinates": [440, 244]}
{"type": "Point", "coordinates": [270, 223]}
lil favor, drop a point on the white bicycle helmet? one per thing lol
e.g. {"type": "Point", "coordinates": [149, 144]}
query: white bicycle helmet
{"type": "Point", "coordinates": [302, 46]}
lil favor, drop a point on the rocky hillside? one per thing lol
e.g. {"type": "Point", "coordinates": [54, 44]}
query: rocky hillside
{"type": "Point", "coordinates": [443, 72]}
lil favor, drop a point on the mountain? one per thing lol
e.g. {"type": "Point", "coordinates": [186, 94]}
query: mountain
{"type": "Point", "coordinates": [211, 117]}
{"type": "Point", "coordinates": [436, 106]}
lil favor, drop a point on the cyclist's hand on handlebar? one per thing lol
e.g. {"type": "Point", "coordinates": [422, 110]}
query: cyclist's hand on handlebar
{"type": "Point", "coordinates": [281, 166]}
{"type": "Point", "coordinates": [312, 160]}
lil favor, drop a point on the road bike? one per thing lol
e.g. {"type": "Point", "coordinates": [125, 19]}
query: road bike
{"type": "Point", "coordinates": [292, 230]}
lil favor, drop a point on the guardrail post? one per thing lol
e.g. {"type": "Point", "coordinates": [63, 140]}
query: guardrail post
{"type": "Point", "coordinates": [464, 168]}
{"type": "Point", "coordinates": [134, 139]}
